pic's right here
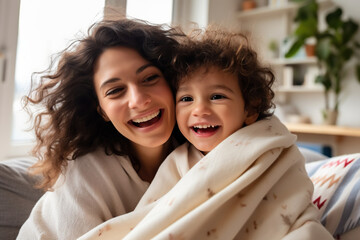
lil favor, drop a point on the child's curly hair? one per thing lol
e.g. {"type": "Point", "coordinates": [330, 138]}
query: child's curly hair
{"type": "Point", "coordinates": [232, 53]}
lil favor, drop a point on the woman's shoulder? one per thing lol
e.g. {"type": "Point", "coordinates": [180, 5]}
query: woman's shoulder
{"type": "Point", "coordinates": [97, 161]}
{"type": "Point", "coordinates": [100, 166]}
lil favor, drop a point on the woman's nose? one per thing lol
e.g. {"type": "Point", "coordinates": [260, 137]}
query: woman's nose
{"type": "Point", "coordinates": [138, 98]}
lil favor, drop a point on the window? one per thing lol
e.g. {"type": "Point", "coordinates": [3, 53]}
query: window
{"type": "Point", "coordinates": [43, 28]}
{"type": "Point", "coordinates": [31, 32]}
{"type": "Point", "coordinates": [156, 11]}
{"type": "Point", "coordinates": [55, 25]}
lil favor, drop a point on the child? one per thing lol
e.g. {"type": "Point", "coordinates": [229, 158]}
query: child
{"type": "Point", "coordinates": [242, 176]}
{"type": "Point", "coordinates": [219, 89]}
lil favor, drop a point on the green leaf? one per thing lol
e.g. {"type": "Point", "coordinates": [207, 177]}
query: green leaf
{"type": "Point", "coordinates": [307, 11]}
{"type": "Point", "coordinates": [347, 53]}
{"type": "Point", "coordinates": [307, 28]}
{"type": "Point", "coordinates": [349, 30]}
{"type": "Point", "coordinates": [295, 48]}
{"type": "Point", "coordinates": [337, 39]}
{"type": "Point", "coordinates": [312, 7]}
{"type": "Point", "coordinates": [358, 72]}
{"type": "Point", "coordinates": [324, 80]}
{"type": "Point", "coordinates": [333, 63]}
{"type": "Point", "coordinates": [323, 48]}
{"type": "Point", "coordinates": [357, 44]}
{"type": "Point", "coordinates": [333, 19]}
{"type": "Point", "coordinates": [337, 83]}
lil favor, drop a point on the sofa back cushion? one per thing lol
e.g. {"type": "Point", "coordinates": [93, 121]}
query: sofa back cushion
{"type": "Point", "coordinates": [17, 195]}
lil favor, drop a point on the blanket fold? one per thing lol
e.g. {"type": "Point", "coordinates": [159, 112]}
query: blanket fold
{"type": "Point", "coordinates": [252, 185]}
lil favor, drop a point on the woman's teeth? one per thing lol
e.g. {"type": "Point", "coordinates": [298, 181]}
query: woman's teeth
{"type": "Point", "coordinates": [147, 118]}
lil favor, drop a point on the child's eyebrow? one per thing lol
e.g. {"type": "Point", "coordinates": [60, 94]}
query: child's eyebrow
{"type": "Point", "coordinates": [223, 87]}
{"type": "Point", "coordinates": [213, 87]}
{"type": "Point", "coordinates": [182, 89]}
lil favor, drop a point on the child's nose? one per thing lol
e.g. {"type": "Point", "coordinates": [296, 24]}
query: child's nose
{"type": "Point", "coordinates": [138, 98]}
{"type": "Point", "coordinates": [201, 108]}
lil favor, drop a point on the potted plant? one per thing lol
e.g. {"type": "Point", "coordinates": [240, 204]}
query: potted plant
{"type": "Point", "coordinates": [334, 47]}
{"type": "Point", "coordinates": [248, 5]}
{"type": "Point", "coordinates": [274, 48]}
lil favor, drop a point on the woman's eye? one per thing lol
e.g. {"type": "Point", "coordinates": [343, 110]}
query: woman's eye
{"type": "Point", "coordinates": [113, 91]}
{"type": "Point", "coordinates": [217, 96]}
{"type": "Point", "coordinates": [151, 78]}
{"type": "Point", "coordinates": [185, 99]}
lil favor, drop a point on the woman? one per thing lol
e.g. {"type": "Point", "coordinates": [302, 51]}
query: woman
{"type": "Point", "coordinates": [104, 129]}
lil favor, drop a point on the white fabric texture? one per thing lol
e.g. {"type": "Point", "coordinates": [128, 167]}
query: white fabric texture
{"type": "Point", "coordinates": [253, 185]}
{"type": "Point", "coordinates": [95, 187]}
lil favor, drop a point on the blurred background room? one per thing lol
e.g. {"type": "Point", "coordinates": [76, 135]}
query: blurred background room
{"type": "Point", "coordinates": [32, 31]}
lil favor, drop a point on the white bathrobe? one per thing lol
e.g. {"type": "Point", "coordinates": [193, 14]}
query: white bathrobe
{"type": "Point", "coordinates": [94, 188]}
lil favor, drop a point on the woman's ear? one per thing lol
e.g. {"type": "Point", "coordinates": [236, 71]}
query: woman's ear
{"type": "Point", "coordinates": [251, 118]}
{"type": "Point", "coordinates": [103, 114]}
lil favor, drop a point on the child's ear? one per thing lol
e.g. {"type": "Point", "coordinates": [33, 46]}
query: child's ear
{"type": "Point", "coordinates": [103, 114]}
{"type": "Point", "coordinates": [251, 118]}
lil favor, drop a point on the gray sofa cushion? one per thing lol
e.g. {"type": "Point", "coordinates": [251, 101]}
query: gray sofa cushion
{"type": "Point", "coordinates": [311, 156]}
{"type": "Point", "coordinates": [17, 195]}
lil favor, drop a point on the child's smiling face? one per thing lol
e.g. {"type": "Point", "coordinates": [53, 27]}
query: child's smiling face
{"type": "Point", "coordinates": [210, 107]}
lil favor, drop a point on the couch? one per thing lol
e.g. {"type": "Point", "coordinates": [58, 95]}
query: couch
{"type": "Point", "coordinates": [336, 182]}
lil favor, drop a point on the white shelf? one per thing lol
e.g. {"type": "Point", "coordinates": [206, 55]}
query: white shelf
{"type": "Point", "coordinates": [275, 10]}
{"type": "Point", "coordinates": [303, 67]}
{"type": "Point", "coordinates": [292, 61]}
{"type": "Point", "coordinates": [324, 129]}
{"type": "Point", "coordinates": [299, 89]}
{"type": "Point", "coordinates": [2, 67]}
{"type": "Point", "coordinates": [266, 11]}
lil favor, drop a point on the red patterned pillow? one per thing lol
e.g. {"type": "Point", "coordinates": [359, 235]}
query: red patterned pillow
{"type": "Point", "coordinates": [337, 192]}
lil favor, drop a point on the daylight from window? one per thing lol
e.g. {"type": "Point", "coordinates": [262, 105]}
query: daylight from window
{"type": "Point", "coordinates": [155, 11]}
{"type": "Point", "coordinates": [45, 28]}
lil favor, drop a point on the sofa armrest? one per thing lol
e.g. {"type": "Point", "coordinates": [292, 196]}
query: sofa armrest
{"type": "Point", "coordinates": [17, 195]}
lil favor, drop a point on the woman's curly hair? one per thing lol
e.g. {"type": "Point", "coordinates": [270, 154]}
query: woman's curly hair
{"type": "Point", "coordinates": [68, 124]}
{"type": "Point", "coordinates": [231, 52]}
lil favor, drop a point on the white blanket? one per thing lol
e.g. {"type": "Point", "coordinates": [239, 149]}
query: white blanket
{"type": "Point", "coordinates": [253, 185]}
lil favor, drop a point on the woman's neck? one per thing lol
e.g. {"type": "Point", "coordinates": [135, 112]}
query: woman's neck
{"type": "Point", "coordinates": [150, 159]}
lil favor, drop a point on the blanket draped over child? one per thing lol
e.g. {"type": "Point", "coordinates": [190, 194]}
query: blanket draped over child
{"type": "Point", "coordinates": [253, 185]}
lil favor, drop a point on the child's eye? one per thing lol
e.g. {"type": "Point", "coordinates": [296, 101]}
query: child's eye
{"type": "Point", "coordinates": [185, 99]}
{"type": "Point", "coordinates": [217, 96]}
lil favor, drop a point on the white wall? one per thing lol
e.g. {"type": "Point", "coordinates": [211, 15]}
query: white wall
{"type": "Point", "coordinates": [189, 13]}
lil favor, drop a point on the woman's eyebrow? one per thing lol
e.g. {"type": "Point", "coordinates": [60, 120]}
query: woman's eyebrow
{"type": "Point", "coordinates": [139, 70]}
{"type": "Point", "coordinates": [111, 80]}
{"type": "Point", "coordinates": [143, 67]}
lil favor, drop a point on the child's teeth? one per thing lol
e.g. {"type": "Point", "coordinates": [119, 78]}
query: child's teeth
{"type": "Point", "coordinates": [204, 126]}
{"type": "Point", "coordinates": [147, 118]}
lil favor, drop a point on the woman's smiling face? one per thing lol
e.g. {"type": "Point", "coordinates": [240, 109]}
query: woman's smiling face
{"type": "Point", "coordinates": [134, 95]}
